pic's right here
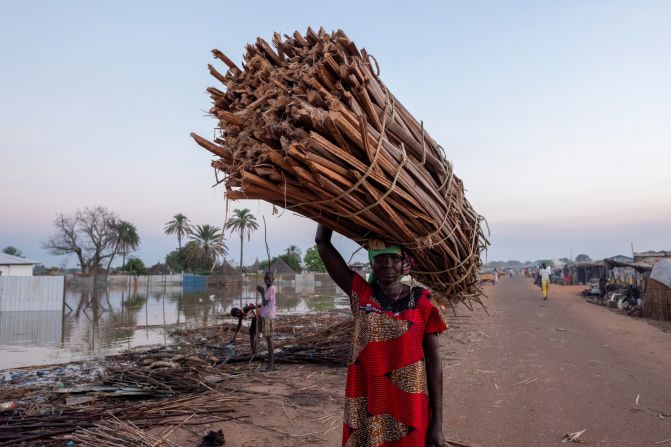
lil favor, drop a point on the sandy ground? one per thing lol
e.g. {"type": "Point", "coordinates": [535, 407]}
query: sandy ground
{"type": "Point", "coordinates": [522, 375]}
{"type": "Point", "coordinates": [542, 369]}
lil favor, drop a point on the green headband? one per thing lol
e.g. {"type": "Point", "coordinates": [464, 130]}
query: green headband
{"type": "Point", "coordinates": [392, 250]}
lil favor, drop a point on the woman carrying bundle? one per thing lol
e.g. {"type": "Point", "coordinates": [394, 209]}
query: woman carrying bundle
{"type": "Point", "coordinates": [394, 388]}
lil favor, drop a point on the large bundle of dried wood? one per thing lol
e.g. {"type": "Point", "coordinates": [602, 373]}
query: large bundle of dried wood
{"type": "Point", "coordinates": [310, 127]}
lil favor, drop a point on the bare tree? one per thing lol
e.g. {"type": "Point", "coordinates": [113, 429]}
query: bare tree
{"type": "Point", "coordinates": [66, 240]}
{"type": "Point", "coordinates": [89, 234]}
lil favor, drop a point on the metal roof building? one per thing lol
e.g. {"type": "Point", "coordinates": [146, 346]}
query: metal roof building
{"type": "Point", "coordinates": [651, 257]}
{"type": "Point", "coordinates": [15, 266]}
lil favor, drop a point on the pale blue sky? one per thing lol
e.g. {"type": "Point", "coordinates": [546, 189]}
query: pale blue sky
{"type": "Point", "coordinates": [555, 114]}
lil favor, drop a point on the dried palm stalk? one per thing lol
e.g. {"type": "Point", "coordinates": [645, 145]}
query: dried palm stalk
{"type": "Point", "coordinates": [310, 127]}
{"type": "Point", "coordinates": [118, 433]}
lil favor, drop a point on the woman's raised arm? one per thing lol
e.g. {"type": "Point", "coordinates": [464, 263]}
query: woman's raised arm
{"type": "Point", "coordinates": [335, 264]}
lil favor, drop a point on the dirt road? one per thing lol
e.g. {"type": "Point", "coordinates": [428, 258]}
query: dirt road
{"type": "Point", "coordinates": [533, 370]}
{"type": "Point", "coordinates": [522, 375]}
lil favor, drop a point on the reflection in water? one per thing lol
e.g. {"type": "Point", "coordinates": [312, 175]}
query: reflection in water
{"type": "Point", "coordinates": [104, 320]}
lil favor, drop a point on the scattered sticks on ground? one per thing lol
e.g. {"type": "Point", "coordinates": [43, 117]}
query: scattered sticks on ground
{"type": "Point", "coordinates": [574, 437]}
{"type": "Point", "coordinates": [117, 433]}
{"type": "Point", "coordinates": [526, 381]}
{"type": "Point", "coordinates": [59, 422]}
{"type": "Point", "coordinates": [192, 383]}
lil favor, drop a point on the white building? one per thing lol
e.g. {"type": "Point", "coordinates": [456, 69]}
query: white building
{"type": "Point", "coordinates": [15, 266]}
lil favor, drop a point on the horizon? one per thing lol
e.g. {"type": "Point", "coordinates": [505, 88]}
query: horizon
{"type": "Point", "coordinates": [554, 116]}
{"type": "Point", "coordinates": [343, 244]}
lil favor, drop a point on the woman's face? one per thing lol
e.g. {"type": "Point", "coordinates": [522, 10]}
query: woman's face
{"type": "Point", "coordinates": [387, 267]}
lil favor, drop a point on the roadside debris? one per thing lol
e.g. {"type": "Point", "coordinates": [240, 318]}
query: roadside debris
{"type": "Point", "coordinates": [6, 407]}
{"type": "Point", "coordinates": [661, 414]}
{"type": "Point", "coordinates": [526, 381]}
{"type": "Point", "coordinates": [117, 432]}
{"type": "Point", "coordinates": [128, 398]}
{"type": "Point", "coordinates": [212, 439]}
{"type": "Point", "coordinates": [574, 437]}
{"type": "Point", "coordinates": [78, 402]}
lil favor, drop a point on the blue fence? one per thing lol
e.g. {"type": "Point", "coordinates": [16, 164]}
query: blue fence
{"type": "Point", "coordinates": [194, 283]}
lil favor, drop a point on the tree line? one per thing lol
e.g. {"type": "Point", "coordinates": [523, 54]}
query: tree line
{"type": "Point", "coordinates": [514, 263]}
{"type": "Point", "coordinates": [202, 252]}
{"type": "Point", "coordinates": [97, 235]}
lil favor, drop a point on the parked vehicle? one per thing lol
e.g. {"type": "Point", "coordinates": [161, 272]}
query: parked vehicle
{"type": "Point", "coordinates": [627, 300]}
{"type": "Point", "coordinates": [592, 289]}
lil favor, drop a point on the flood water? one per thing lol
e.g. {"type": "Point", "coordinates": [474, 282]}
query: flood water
{"type": "Point", "coordinates": [104, 320]}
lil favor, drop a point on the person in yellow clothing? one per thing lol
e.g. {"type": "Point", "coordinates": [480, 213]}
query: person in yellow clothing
{"type": "Point", "coordinates": [545, 280]}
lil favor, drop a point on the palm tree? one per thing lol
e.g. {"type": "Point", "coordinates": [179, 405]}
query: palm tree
{"type": "Point", "coordinates": [125, 240]}
{"type": "Point", "coordinates": [293, 250]}
{"type": "Point", "coordinates": [179, 226]}
{"type": "Point", "coordinates": [293, 256]}
{"type": "Point", "coordinates": [9, 250]}
{"type": "Point", "coordinates": [243, 221]}
{"type": "Point", "coordinates": [206, 244]}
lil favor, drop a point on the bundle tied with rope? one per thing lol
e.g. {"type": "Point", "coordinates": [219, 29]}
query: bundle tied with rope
{"type": "Point", "coordinates": [310, 127]}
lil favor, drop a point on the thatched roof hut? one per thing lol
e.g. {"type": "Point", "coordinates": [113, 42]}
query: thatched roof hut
{"type": "Point", "coordinates": [279, 267]}
{"type": "Point", "coordinates": [159, 269]}
{"type": "Point", "coordinates": [228, 270]}
{"type": "Point", "coordinates": [225, 276]}
{"type": "Point", "coordinates": [254, 268]}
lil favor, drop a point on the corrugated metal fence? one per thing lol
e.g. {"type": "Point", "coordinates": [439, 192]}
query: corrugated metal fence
{"type": "Point", "coordinates": [31, 293]}
{"type": "Point", "coordinates": [143, 279]}
{"type": "Point", "coordinates": [299, 283]}
{"type": "Point", "coordinates": [31, 328]}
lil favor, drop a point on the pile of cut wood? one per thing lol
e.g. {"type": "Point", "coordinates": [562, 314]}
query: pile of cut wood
{"type": "Point", "coordinates": [310, 127]}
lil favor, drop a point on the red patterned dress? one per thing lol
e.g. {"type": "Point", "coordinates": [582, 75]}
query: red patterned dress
{"type": "Point", "coordinates": [386, 397]}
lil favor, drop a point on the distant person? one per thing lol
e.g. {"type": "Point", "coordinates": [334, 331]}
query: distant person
{"type": "Point", "coordinates": [240, 314]}
{"type": "Point", "coordinates": [536, 273]}
{"type": "Point", "coordinates": [495, 277]}
{"type": "Point", "coordinates": [545, 280]}
{"type": "Point", "coordinates": [567, 275]}
{"type": "Point", "coordinates": [602, 288]}
{"type": "Point", "coordinates": [268, 312]}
